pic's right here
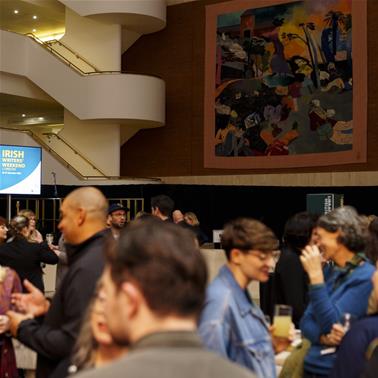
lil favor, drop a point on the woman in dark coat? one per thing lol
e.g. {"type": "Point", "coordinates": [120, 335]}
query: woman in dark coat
{"type": "Point", "coordinates": [290, 280]}
{"type": "Point", "coordinates": [25, 257]}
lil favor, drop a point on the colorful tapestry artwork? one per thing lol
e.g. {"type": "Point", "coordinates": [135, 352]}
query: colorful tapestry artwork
{"type": "Point", "coordinates": [285, 83]}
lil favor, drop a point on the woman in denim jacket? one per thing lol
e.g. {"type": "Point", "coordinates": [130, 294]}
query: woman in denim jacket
{"type": "Point", "coordinates": [231, 324]}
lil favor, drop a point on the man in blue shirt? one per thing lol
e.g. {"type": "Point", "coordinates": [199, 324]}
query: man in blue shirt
{"type": "Point", "coordinates": [231, 324]}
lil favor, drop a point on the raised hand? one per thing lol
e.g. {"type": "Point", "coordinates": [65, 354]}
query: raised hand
{"type": "Point", "coordinates": [4, 323]}
{"type": "Point", "coordinates": [312, 263]}
{"type": "Point", "coordinates": [33, 303]}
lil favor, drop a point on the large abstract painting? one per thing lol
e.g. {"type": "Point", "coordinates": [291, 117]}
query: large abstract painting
{"type": "Point", "coordinates": [285, 83]}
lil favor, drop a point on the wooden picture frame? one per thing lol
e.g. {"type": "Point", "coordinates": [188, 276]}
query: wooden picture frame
{"type": "Point", "coordinates": [287, 85]}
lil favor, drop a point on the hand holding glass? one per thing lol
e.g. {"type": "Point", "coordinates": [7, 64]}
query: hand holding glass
{"type": "Point", "coordinates": [282, 320]}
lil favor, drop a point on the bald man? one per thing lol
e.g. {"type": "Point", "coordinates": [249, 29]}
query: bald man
{"type": "Point", "coordinates": [83, 225]}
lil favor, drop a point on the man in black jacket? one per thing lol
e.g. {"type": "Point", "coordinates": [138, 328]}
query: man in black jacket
{"type": "Point", "coordinates": [83, 217]}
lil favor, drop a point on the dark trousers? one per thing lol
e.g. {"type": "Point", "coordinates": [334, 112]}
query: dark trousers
{"type": "Point", "coordinates": [307, 374]}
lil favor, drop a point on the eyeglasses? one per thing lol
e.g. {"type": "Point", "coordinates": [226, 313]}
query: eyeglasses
{"type": "Point", "coordinates": [263, 256]}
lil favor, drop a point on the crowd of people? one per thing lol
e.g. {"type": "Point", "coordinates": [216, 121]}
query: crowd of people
{"type": "Point", "coordinates": [134, 299]}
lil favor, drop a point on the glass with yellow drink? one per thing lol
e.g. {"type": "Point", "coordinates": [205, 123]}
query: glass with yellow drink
{"type": "Point", "coordinates": [282, 320]}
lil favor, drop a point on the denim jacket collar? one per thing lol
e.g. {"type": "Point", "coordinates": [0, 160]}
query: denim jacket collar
{"type": "Point", "coordinates": [240, 296]}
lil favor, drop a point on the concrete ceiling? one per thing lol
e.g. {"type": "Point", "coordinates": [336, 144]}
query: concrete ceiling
{"type": "Point", "coordinates": [50, 16]}
{"type": "Point", "coordinates": [49, 13]}
{"type": "Point", "coordinates": [35, 111]}
{"type": "Point", "coordinates": [28, 106]}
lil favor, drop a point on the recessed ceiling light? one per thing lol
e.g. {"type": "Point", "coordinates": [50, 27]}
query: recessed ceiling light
{"type": "Point", "coordinates": [35, 17]}
{"type": "Point", "coordinates": [34, 30]}
{"type": "Point", "coordinates": [15, 11]}
{"type": "Point", "coordinates": [40, 118]}
{"type": "Point", "coordinates": [23, 115]}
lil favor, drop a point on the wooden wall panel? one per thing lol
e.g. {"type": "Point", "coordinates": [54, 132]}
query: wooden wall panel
{"type": "Point", "coordinates": [177, 55]}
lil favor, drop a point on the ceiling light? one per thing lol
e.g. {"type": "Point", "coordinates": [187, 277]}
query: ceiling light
{"type": "Point", "coordinates": [35, 17]}
{"type": "Point", "coordinates": [23, 115]}
{"type": "Point", "coordinates": [34, 30]}
{"type": "Point", "coordinates": [40, 118]}
{"type": "Point", "coordinates": [15, 11]}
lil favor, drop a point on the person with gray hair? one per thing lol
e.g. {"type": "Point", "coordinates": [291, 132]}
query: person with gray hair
{"type": "Point", "coordinates": [339, 291]}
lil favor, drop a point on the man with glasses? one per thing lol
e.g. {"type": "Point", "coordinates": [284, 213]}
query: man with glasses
{"type": "Point", "coordinates": [231, 324]}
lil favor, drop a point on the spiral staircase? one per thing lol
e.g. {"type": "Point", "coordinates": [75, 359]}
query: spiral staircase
{"type": "Point", "coordinates": [91, 107]}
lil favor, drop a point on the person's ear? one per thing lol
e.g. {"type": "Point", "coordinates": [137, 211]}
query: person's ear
{"type": "Point", "coordinates": [133, 298]}
{"type": "Point", "coordinates": [236, 255]}
{"type": "Point", "coordinates": [81, 216]}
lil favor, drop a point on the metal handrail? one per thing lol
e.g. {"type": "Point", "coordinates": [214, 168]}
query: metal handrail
{"type": "Point", "coordinates": [69, 166]}
{"type": "Point", "coordinates": [51, 50]}
{"type": "Point", "coordinates": [79, 70]}
{"type": "Point", "coordinates": [50, 150]}
{"type": "Point", "coordinates": [76, 152]}
{"type": "Point", "coordinates": [78, 56]}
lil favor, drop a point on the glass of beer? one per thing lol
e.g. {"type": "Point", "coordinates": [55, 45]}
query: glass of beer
{"type": "Point", "coordinates": [282, 320]}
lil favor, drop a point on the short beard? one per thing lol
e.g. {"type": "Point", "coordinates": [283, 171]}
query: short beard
{"type": "Point", "coordinates": [118, 226]}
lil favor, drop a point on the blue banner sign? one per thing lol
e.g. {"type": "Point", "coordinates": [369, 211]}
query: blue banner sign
{"type": "Point", "coordinates": [20, 169]}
